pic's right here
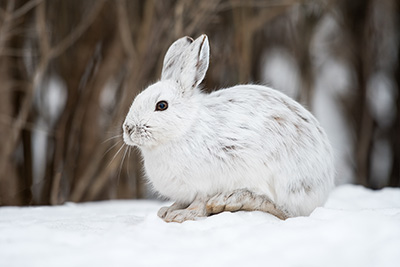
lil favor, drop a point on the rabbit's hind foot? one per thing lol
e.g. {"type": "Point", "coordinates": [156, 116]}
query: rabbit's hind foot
{"type": "Point", "coordinates": [244, 199]}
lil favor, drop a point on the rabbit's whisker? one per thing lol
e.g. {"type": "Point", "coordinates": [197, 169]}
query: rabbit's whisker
{"type": "Point", "coordinates": [129, 155]}
{"type": "Point", "coordinates": [111, 138]}
{"type": "Point", "coordinates": [121, 164]}
{"type": "Point", "coordinates": [117, 143]}
{"type": "Point", "coordinates": [119, 150]}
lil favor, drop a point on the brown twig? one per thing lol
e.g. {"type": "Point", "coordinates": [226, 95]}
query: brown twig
{"type": "Point", "coordinates": [77, 33]}
{"type": "Point", "coordinates": [26, 104]}
{"type": "Point", "coordinates": [25, 8]}
{"type": "Point", "coordinates": [124, 30]}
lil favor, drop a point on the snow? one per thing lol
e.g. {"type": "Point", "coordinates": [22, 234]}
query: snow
{"type": "Point", "coordinates": [356, 227]}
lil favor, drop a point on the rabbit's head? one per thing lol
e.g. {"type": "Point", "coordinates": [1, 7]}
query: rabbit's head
{"type": "Point", "coordinates": [165, 110]}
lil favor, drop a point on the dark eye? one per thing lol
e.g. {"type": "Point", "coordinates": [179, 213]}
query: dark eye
{"type": "Point", "coordinates": [161, 105]}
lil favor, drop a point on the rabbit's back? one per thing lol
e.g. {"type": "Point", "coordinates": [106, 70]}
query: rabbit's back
{"type": "Point", "coordinates": [274, 136]}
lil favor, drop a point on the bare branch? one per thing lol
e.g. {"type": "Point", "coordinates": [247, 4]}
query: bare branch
{"type": "Point", "coordinates": [77, 33]}
{"type": "Point", "coordinates": [26, 8]}
{"type": "Point", "coordinates": [20, 121]}
{"type": "Point", "coordinates": [228, 5]}
{"type": "Point", "coordinates": [124, 29]}
{"type": "Point", "coordinates": [44, 43]}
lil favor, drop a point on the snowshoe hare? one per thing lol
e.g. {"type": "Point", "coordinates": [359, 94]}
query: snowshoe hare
{"type": "Point", "coordinates": [247, 147]}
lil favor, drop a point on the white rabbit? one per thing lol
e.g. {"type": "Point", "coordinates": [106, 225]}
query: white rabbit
{"type": "Point", "coordinates": [247, 147]}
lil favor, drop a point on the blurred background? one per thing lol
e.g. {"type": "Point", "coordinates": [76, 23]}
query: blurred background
{"type": "Point", "coordinates": [69, 70]}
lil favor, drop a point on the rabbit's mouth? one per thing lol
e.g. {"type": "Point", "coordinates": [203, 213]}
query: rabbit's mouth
{"type": "Point", "coordinates": [135, 140]}
{"type": "Point", "coordinates": [136, 135]}
{"type": "Point", "coordinates": [129, 141]}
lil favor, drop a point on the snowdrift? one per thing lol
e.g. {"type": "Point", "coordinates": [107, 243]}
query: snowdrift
{"type": "Point", "coordinates": [356, 227]}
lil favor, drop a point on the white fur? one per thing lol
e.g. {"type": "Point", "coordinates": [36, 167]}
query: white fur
{"type": "Point", "coordinates": [247, 136]}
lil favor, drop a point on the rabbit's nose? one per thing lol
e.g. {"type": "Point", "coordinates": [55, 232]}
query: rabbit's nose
{"type": "Point", "coordinates": [128, 129]}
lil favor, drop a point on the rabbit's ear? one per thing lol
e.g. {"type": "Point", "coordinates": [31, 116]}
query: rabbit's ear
{"type": "Point", "coordinates": [173, 55]}
{"type": "Point", "coordinates": [194, 63]}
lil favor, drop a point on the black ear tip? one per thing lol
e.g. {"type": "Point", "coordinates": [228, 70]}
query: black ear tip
{"type": "Point", "coordinates": [203, 38]}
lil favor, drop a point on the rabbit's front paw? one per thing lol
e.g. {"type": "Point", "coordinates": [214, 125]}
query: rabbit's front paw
{"type": "Point", "coordinates": [195, 210]}
{"type": "Point", "coordinates": [180, 216]}
{"type": "Point", "coordinates": [164, 211]}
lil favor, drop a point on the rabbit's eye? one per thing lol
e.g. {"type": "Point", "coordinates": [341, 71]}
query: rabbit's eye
{"type": "Point", "coordinates": [161, 105]}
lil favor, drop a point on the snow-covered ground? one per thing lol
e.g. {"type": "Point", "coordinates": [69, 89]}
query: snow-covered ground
{"type": "Point", "coordinates": [357, 227]}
